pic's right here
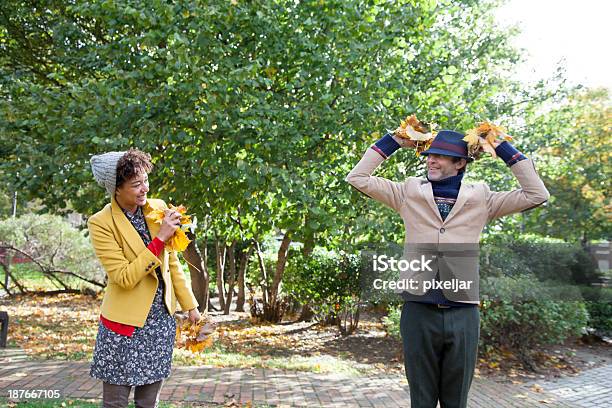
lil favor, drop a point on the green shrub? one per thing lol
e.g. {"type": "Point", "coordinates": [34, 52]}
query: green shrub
{"type": "Point", "coordinates": [63, 254]}
{"type": "Point", "coordinates": [524, 316]}
{"type": "Point", "coordinates": [392, 322]}
{"type": "Point", "coordinates": [599, 305]}
{"type": "Point", "coordinates": [547, 258]}
{"type": "Point", "coordinates": [600, 316]}
{"type": "Point", "coordinates": [329, 283]}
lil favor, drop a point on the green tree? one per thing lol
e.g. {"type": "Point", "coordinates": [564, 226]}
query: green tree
{"type": "Point", "coordinates": [253, 111]}
{"type": "Point", "coordinates": [573, 146]}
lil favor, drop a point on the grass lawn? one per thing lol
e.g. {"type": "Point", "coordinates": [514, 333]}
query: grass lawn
{"type": "Point", "coordinates": [219, 356]}
{"type": "Point", "coordinates": [32, 279]}
{"type": "Point", "coordinates": [49, 403]}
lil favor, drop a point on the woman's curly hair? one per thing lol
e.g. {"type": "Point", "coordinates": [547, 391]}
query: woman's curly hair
{"type": "Point", "coordinates": [131, 164]}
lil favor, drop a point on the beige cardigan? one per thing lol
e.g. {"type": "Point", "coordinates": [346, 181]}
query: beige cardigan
{"type": "Point", "coordinates": [475, 206]}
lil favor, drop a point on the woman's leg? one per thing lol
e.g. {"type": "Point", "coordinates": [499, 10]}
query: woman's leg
{"type": "Point", "coordinates": [147, 396]}
{"type": "Point", "coordinates": [115, 396]}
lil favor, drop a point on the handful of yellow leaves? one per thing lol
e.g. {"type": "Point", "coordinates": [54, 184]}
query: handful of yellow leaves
{"type": "Point", "coordinates": [422, 133]}
{"type": "Point", "coordinates": [481, 138]}
{"type": "Point", "coordinates": [179, 240]}
{"type": "Point", "coordinates": [194, 337]}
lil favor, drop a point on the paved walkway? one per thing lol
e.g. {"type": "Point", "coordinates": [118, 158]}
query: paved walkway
{"type": "Point", "coordinates": [289, 388]}
{"type": "Point", "coordinates": [590, 389]}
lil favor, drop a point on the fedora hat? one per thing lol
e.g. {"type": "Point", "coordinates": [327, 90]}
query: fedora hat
{"type": "Point", "coordinates": [449, 143]}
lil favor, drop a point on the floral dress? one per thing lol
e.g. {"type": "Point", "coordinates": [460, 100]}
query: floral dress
{"type": "Point", "coordinates": [146, 356]}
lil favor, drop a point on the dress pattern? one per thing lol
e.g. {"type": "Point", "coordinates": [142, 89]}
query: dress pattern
{"type": "Point", "coordinates": [146, 356]}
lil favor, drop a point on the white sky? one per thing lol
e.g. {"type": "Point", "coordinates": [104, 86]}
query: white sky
{"type": "Point", "coordinates": [578, 30]}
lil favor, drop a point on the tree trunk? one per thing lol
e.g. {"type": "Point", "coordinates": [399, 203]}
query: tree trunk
{"type": "Point", "coordinates": [306, 314]}
{"type": "Point", "coordinates": [221, 253]}
{"type": "Point", "coordinates": [584, 241]}
{"type": "Point", "coordinates": [231, 281]}
{"type": "Point", "coordinates": [309, 243]}
{"type": "Point", "coordinates": [274, 309]}
{"type": "Point", "coordinates": [7, 280]}
{"type": "Point", "coordinates": [5, 284]}
{"type": "Point", "coordinates": [281, 262]}
{"type": "Point", "coordinates": [244, 263]}
{"type": "Point", "coordinates": [198, 270]}
{"type": "Point", "coordinates": [264, 273]}
{"type": "Point", "coordinates": [14, 214]}
{"type": "Point", "coordinates": [271, 308]}
{"type": "Point", "coordinates": [7, 272]}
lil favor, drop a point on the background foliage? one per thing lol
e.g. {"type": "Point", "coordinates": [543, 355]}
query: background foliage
{"type": "Point", "coordinates": [254, 112]}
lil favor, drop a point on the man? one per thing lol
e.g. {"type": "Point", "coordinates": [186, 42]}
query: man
{"type": "Point", "coordinates": [439, 332]}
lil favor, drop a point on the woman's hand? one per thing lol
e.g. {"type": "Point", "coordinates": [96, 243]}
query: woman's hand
{"type": "Point", "coordinates": [170, 223]}
{"type": "Point", "coordinates": [194, 316]}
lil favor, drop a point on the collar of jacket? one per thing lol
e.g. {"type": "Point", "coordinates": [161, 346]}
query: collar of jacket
{"type": "Point", "coordinates": [464, 193]}
{"type": "Point", "coordinates": [127, 229]}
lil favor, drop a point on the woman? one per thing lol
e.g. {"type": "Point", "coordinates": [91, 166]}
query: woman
{"type": "Point", "coordinates": [137, 328]}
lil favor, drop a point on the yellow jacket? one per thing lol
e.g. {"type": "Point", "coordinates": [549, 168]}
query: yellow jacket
{"type": "Point", "coordinates": [130, 267]}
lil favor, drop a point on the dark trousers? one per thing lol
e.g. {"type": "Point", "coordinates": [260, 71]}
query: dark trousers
{"type": "Point", "coordinates": [440, 351]}
{"type": "Point", "coordinates": [116, 396]}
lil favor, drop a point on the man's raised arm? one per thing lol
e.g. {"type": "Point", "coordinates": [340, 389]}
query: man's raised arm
{"type": "Point", "coordinates": [388, 192]}
{"type": "Point", "coordinates": [532, 193]}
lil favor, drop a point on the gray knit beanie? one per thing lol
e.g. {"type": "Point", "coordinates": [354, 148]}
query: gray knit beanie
{"type": "Point", "coordinates": [104, 168]}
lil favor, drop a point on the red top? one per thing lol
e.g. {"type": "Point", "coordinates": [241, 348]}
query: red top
{"type": "Point", "coordinates": [156, 246]}
{"type": "Point", "coordinates": [119, 328]}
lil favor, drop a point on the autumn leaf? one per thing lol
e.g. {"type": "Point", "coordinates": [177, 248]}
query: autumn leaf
{"type": "Point", "coordinates": [482, 138]}
{"type": "Point", "coordinates": [205, 332]}
{"type": "Point", "coordinates": [198, 346]}
{"type": "Point", "coordinates": [179, 241]}
{"type": "Point", "coordinates": [471, 138]}
{"type": "Point", "coordinates": [194, 337]}
{"type": "Point", "coordinates": [422, 146]}
{"type": "Point", "coordinates": [413, 129]}
{"type": "Point", "coordinates": [537, 388]}
{"type": "Point", "coordinates": [156, 216]}
{"type": "Point", "coordinates": [421, 132]}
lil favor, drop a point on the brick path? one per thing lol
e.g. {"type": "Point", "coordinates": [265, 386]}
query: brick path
{"type": "Point", "coordinates": [590, 389]}
{"type": "Point", "coordinates": [290, 388]}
